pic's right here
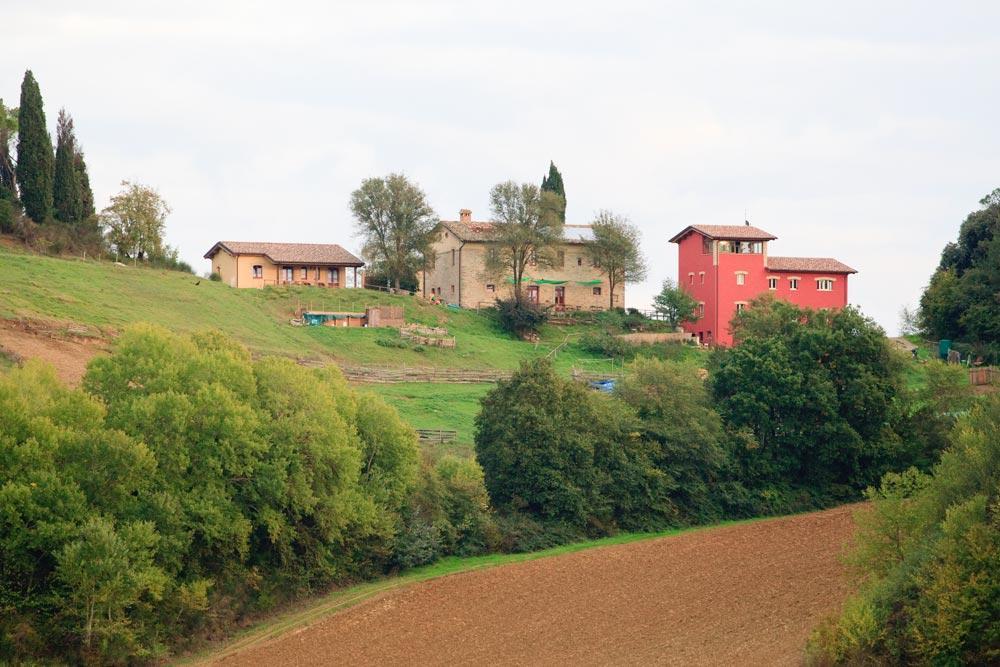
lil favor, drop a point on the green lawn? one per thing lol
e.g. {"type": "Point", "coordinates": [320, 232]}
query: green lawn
{"type": "Point", "coordinates": [445, 406]}
{"type": "Point", "coordinates": [108, 297]}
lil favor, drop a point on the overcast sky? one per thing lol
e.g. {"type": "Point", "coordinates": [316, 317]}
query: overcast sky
{"type": "Point", "coordinates": [857, 130]}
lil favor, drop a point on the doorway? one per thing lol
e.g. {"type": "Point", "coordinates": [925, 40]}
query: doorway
{"type": "Point", "coordinates": [560, 297]}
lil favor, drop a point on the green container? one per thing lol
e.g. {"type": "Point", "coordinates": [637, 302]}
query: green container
{"type": "Point", "coordinates": [944, 347]}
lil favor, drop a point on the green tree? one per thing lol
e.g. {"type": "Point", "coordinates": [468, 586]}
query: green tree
{"type": "Point", "coordinates": [8, 130]}
{"type": "Point", "coordinates": [66, 192]}
{"type": "Point", "coordinates": [683, 431]}
{"type": "Point", "coordinates": [135, 221]}
{"type": "Point", "coordinates": [34, 153]}
{"type": "Point", "coordinates": [394, 219]}
{"type": "Point", "coordinates": [553, 182]}
{"type": "Point", "coordinates": [83, 177]}
{"type": "Point", "coordinates": [927, 561]}
{"type": "Point", "coordinates": [615, 251]}
{"type": "Point", "coordinates": [959, 303]}
{"type": "Point", "coordinates": [674, 305]}
{"type": "Point", "coordinates": [817, 389]}
{"type": "Point", "coordinates": [526, 229]}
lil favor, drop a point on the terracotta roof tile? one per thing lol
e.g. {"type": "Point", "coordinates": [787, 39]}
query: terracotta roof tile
{"type": "Point", "coordinates": [808, 265]}
{"type": "Point", "coordinates": [289, 253]}
{"type": "Point", "coordinates": [482, 231]}
{"type": "Point", "coordinates": [736, 232]}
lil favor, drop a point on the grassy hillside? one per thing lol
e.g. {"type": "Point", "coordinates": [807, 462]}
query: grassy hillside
{"type": "Point", "coordinates": [108, 297]}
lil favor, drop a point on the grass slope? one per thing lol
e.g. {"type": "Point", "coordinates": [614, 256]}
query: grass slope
{"type": "Point", "coordinates": [445, 406]}
{"type": "Point", "coordinates": [107, 296]}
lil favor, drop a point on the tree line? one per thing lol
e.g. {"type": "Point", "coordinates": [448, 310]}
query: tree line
{"type": "Point", "coordinates": [47, 201]}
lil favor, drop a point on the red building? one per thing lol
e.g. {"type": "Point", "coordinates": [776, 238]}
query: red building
{"type": "Point", "coordinates": [724, 267]}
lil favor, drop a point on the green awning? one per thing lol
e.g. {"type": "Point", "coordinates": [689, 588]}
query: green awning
{"type": "Point", "coordinates": [524, 279]}
{"type": "Point", "coordinates": [589, 283]}
{"type": "Point", "coordinates": [544, 281]}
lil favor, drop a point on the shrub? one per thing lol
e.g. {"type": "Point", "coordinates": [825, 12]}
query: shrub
{"type": "Point", "coordinates": [566, 456]}
{"type": "Point", "coordinates": [215, 277]}
{"type": "Point", "coordinates": [520, 319]}
{"type": "Point", "coordinates": [186, 484]}
{"type": "Point", "coordinates": [607, 345]}
{"type": "Point", "coordinates": [8, 217]}
{"type": "Point", "coordinates": [927, 561]}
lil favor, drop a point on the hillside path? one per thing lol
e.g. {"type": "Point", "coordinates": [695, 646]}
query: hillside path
{"type": "Point", "coordinates": [744, 594]}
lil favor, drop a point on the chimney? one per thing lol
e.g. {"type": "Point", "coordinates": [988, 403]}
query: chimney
{"type": "Point", "coordinates": [465, 215]}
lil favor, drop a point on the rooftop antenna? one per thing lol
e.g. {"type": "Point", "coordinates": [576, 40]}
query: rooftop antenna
{"type": "Point", "coordinates": [746, 218]}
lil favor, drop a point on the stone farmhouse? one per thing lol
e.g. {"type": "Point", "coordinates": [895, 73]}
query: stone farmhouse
{"type": "Point", "coordinates": [724, 267]}
{"type": "Point", "coordinates": [458, 275]}
{"type": "Point", "coordinates": [252, 264]}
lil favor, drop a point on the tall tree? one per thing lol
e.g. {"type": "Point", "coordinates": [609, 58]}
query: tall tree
{"type": "Point", "coordinates": [86, 194]}
{"type": "Point", "coordinates": [526, 230]}
{"type": "Point", "coordinates": [8, 129]}
{"type": "Point", "coordinates": [615, 251]}
{"type": "Point", "coordinates": [34, 153]}
{"type": "Point", "coordinates": [135, 221]}
{"type": "Point", "coordinates": [960, 301]}
{"type": "Point", "coordinates": [553, 182]}
{"type": "Point", "coordinates": [394, 219]}
{"type": "Point", "coordinates": [66, 197]}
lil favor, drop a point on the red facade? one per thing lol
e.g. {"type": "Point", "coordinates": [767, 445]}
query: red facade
{"type": "Point", "coordinates": [724, 267]}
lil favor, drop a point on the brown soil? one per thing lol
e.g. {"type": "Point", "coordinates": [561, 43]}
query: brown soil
{"type": "Point", "coordinates": [68, 354]}
{"type": "Point", "coordinates": [737, 595]}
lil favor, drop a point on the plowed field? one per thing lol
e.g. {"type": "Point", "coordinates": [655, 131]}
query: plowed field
{"type": "Point", "coordinates": [737, 595]}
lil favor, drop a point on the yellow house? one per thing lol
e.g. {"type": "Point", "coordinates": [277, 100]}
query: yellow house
{"type": "Point", "coordinates": [458, 274]}
{"type": "Point", "coordinates": [251, 264]}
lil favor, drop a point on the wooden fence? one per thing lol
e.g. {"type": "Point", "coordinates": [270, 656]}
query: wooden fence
{"type": "Point", "coordinates": [436, 436]}
{"type": "Point", "coordinates": [983, 376]}
{"type": "Point", "coordinates": [397, 374]}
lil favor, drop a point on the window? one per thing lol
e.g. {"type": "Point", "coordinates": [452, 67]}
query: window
{"type": "Point", "coordinates": [452, 289]}
{"type": "Point", "coordinates": [258, 271]}
{"type": "Point", "coordinates": [597, 291]}
{"type": "Point", "coordinates": [532, 257]}
{"type": "Point", "coordinates": [700, 310]}
{"type": "Point", "coordinates": [579, 261]}
{"type": "Point", "coordinates": [287, 274]}
{"type": "Point", "coordinates": [305, 273]}
{"type": "Point", "coordinates": [741, 277]}
{"type": "Point", "coordinates": [740, 306]}
{"type": "Point", "coordinates": [706, 246]}
{"type": "Point", "coordinates": [772, 283]}
{"type": "Point", "coordinates": [596, 263]}
{"type": "Point", "coordinates": [453, 257]}
{"type": "Point", "coordinates": [701, 276]}
{"type": "Point", "coordinates": [793, 284]}
{"type": "Point", "coordinates": [333, 275]}
{"type": "Point", "coordinates": [491, 288]}
{"type": "Point", "coordinates": [561, 259]}
{"type": "Point", "coordinates": [691, 278]}
{"type": "Point", "coordinates": [824, 284]}
{"type": "Point", "coordinates": [532, 293]}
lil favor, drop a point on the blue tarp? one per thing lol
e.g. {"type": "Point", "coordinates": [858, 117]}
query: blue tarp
{"type": "Point", "coordinates": [607, 386]}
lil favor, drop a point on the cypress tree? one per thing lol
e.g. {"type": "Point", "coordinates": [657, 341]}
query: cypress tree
{"type": "Point", "coordinates": [86, 194]}
{"type": "Point", "coordinates": [34, 153]}
{"type": "Point", "coordinates": [66, 182]}
{"type": "Point", "coordinates": [553, 182]}
{"type": "Point", "coordinates": [8, 178]}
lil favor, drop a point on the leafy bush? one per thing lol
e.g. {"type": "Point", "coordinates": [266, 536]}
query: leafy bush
{"type": "Point", "coordinates": [819, 391]}
{"type": "Point", "coordinates": [927, 561]}
{"type": "Point", "coordinates": [185, 484]}
{"type": "Point", "coordinates": [520, 319]}
{"type": "Point", "coordinates": [215, 277]}
{"type": "Point", "coordinates": [8, 217]}
{"type": "Point", "coordinates": [575, 459]}
{"type": "Point", "coordinates": [607, 345]}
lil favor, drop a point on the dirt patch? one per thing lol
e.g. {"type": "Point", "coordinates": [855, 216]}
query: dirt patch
{"type": "Point", "coordinates": [68, 353]}
{"type": "Point", "coordinates": [737, 595]}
